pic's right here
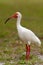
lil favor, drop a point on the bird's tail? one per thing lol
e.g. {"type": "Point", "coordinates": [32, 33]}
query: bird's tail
{"type": "Point", "coordinates": [39, 42]}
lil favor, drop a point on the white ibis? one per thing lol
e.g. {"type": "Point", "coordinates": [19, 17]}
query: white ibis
{"type": "Point", "coordinates": [25, 34]}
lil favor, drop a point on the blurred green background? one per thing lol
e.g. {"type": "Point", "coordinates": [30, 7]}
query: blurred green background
{"type": "Point", "coordinates": [32, 18]}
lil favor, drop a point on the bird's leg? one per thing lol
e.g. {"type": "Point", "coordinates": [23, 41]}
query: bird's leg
{"type": "Point", "coordinates": [27, 51]}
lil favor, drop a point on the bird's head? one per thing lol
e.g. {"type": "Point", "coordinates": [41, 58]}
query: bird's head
{"type": "Point", "coordinates": [16, 15]}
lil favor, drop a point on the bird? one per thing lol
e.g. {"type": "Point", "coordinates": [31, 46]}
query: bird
{"type": "Point", "coordinates": [26, 35]}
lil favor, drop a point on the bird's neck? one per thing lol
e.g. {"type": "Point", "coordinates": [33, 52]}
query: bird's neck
{"type": "Point", "coordinates": [18, 22]}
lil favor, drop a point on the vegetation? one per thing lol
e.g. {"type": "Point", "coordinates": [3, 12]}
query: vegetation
{"type": "Point", "coordinates": [11, 47]}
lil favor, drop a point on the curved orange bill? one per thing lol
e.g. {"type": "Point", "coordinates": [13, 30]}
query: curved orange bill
{"type": "Point", "coordinates": [13, 16]}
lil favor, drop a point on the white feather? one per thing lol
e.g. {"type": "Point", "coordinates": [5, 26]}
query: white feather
{"type": "Point", "coordinates": [26, 34]}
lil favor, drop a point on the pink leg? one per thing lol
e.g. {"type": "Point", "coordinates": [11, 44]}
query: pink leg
{"type": "Point", "coordinates": [27, 51]}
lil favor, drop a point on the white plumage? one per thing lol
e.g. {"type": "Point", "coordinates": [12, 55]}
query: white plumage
{"type": "Point", "coordinates": [26, 34]}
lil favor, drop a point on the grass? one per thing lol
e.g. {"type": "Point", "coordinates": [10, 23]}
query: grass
{"type": "Point", "coordinates": [11, 48]}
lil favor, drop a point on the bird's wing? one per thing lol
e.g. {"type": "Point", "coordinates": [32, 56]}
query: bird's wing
{"type": "Point", "coordinates": [30, 36]}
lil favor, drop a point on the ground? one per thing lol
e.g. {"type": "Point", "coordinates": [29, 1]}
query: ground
{"type": "Point", "coordinates": [11, 47]}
